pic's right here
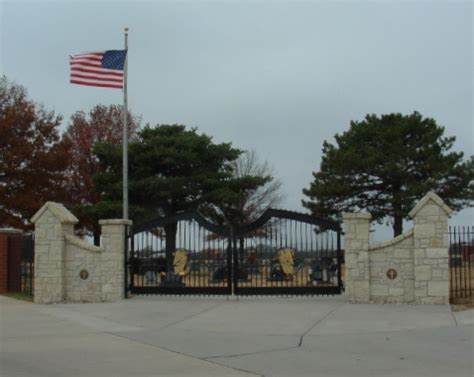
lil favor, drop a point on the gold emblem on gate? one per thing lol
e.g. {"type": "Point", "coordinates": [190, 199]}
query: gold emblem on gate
{"type": "Point", "coordinates": [435, 243]}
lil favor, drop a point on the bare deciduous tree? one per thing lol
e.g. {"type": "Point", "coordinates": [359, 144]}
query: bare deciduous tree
{"type": "Point", "coordinates": [251, 201]}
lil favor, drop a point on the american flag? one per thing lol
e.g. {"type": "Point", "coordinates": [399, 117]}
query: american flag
{"type": "Point", "coordinates": [101, 68]}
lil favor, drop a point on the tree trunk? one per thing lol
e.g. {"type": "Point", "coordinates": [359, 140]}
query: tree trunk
{"type": "Point", "coordinates": [397, 210]}
{"type": "Point", "coordinates": [170, 231]}
{"type": "Point", "coordinates": [96, 233]}
{"type": "Point", "coordinates": [397, 224]}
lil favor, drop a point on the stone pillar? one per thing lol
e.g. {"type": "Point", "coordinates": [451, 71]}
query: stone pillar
{"type": "Point", "coordinates": [431, 245]}
{"type": "Point", "coordinates": [52, 222]}
{"type": "Point", "coordinates": [113, 257]}
{"type": "Point", "coordinates": [10, 245]}
{"type": "Point", "coordinates": [356, 249]}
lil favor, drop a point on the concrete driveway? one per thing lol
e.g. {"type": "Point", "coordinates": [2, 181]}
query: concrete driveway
{"type": "Point", "coordinates": [263, 336]}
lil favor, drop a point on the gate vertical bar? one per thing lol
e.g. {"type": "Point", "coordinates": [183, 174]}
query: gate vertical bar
{"type": "Point", "coordinates": [31, 264]}
{"type": "Point", "coordinates": [230, 285]}
{"type": "Point", "coordinates": [470, 237]}
{"type": "Point", "coordinates": [130, 258]}
{"type": "Point", "coordinates": [235, 267]}
{"type": "Point", "coordinates": [126, 261]}
{"type": "Point", "coordinates": [463, 263]}
{"type": "Point", "coordinates": [339, 260]}
{"type": "Point", "coordinates": [9, 255]}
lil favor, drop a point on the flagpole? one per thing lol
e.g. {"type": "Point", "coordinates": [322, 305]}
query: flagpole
{"type": "Point", "coordinates": [125, 132]}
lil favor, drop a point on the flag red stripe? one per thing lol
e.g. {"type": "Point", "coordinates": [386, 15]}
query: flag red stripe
{"type": "Point", "coordinates": [99, 80]}
{"type": "Point", "coordinates": [87, 57]}
{"type": "Point", "coordinates": [96, 84]}
{"type": "Point", "coordinates": [106, 72]}
{"type": "Point", "coordinates": [94, 77]}
{"type": "Point", "coordinates": [86, 62]}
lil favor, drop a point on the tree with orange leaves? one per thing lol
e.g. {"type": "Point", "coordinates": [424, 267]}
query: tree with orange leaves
{"type": "Point", "coordinates": [103, 124]}
{"type": "Point", "coordinates": [33, 157]}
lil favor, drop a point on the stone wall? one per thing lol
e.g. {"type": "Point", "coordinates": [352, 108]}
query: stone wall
{"type": "Point", "coordinates": [82, 256]}
{"type": "Point", "coordinates": [431, 250]}
{"type": "Point", "coordinates": [396, 255]}
{"type": "Point", "coordinates": [113, 241]}
{"type": "Point", "coordinates": [356, 245]}
{"type": "Point", "coordinates": [412, 267]}
{"type": "Point", "coordinates": [70, 269]}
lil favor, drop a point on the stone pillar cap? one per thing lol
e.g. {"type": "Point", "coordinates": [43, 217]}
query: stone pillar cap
{"type": "Point", "coordinates": [58, 210]}
{"type": "Point", "coordinates": [115, 222]}
{"type": "Point", "coordinates": [358, 215]}
{"type": "Point", "coordinates": [435, 198]}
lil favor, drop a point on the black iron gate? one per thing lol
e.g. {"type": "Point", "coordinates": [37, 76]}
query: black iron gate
{"type": "Point", "coordinates": [182, 254]}
{"type": "Point", "coordinates": [20, 265]}
{"type": "Point", "coordinates": [27, 263]}
{"type": "Point", "coordinates": [461, 264]}
{"type": "Point", "coordinates": [283, 252]}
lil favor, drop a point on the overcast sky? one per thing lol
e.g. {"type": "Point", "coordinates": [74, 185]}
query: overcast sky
{"type": "Point", "coordinates": [278, 77]}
